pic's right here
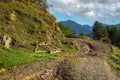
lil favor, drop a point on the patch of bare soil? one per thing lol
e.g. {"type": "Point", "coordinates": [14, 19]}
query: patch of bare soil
{"type": "Point", "coordinates": [88, 69]}
{"type": "Point", "coordinates": [92, 48]}
{"type": "Point", "coordinates": [34, 71]}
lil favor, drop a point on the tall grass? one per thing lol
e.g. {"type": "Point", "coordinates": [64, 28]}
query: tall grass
{"type": "Point", "coordinates": [115, 58]}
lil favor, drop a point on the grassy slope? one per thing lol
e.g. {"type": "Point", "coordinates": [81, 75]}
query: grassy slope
{"type": "Point", "coordinates": [26, 23]}
{"type": "Point", "coordinates": [23, 21]}
{"type": "Point", "coordinates": [115, 58]}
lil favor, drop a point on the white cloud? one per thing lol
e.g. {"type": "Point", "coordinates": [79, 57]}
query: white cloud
{"type": "Point", "coordinates": [90, 14]}
{"type": "Point", "coordinates": [93, 9]}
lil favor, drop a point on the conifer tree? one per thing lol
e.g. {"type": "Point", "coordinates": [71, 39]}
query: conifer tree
{"type": "Point", "coordinates": [100, 33]}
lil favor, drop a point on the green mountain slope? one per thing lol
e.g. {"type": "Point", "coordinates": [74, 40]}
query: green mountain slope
{"type": "Point", "coordinates": [26, 23]}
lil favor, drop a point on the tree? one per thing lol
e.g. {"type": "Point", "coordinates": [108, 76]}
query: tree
{"type": "Point", "coordinates": [100, 32]}
{"type": "Point", "coordinates": [42, 3]}
{"type": "Point", "coordinates": [65, 29]}
{"type": "Point", "coordinates": [118, 40]}
{"type": "Point", "coordinates": [113, 34]}
{"type": "Point", "coordinates": [106, 33]}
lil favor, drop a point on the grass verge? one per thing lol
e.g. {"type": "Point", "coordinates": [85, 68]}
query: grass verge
{"type": "Point", "coordinates": [10, 58]}
{"type": "Point", "coordinates": [115, 58]}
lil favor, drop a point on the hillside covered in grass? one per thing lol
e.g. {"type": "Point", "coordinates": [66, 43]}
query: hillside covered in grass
{"type": "Point", "coordinates": [26, 22]}
{"type": "Point", "coordinates": [115, 58]}
{"type": "Point", "coordinates": [24, 26]}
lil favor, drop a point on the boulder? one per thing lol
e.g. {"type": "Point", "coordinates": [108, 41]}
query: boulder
{"type": "Point", "coordinates": [5, 40]}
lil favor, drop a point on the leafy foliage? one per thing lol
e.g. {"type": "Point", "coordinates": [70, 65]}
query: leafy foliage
{"type": "Point", "coordinates": [65, 29]}
{"type": "Point", "coordinates": [42, 3]}
{"type": "Point", "coordinates": [109, 34]}
{"type": "Point", "coordinates": [100, 33]}
{"type": "Point", "coordinates": [114, 35]}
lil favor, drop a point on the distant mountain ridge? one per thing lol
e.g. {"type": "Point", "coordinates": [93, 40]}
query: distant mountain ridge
{"type": "Point", "coordinates": [116, 25]}
{"type": "Point", "coordinates": [78, 28]}
{"type": "Point", "coordinates": [84, 29]}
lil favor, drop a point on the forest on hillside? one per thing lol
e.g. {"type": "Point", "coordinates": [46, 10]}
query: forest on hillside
{"type": "Point", "coordinates": [108, 34]}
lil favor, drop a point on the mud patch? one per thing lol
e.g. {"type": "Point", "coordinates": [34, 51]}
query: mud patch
{"type": "Point", "coordinates": [93, 48]}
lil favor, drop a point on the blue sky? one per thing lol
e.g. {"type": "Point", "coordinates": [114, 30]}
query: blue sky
{"type": "Point", "coordinates": [63, 17]}
{"type": "Point", "coordinates": [86, 11]}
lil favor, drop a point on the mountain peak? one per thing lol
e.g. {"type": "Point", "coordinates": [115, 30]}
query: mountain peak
{"type": "Point", "coordinates": [71, 21]}
{"type": "Point", "coordinates": [78, 28]}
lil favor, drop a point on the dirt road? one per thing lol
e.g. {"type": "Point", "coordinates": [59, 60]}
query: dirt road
{"type": "Point", "coordinates": [90, 67]}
